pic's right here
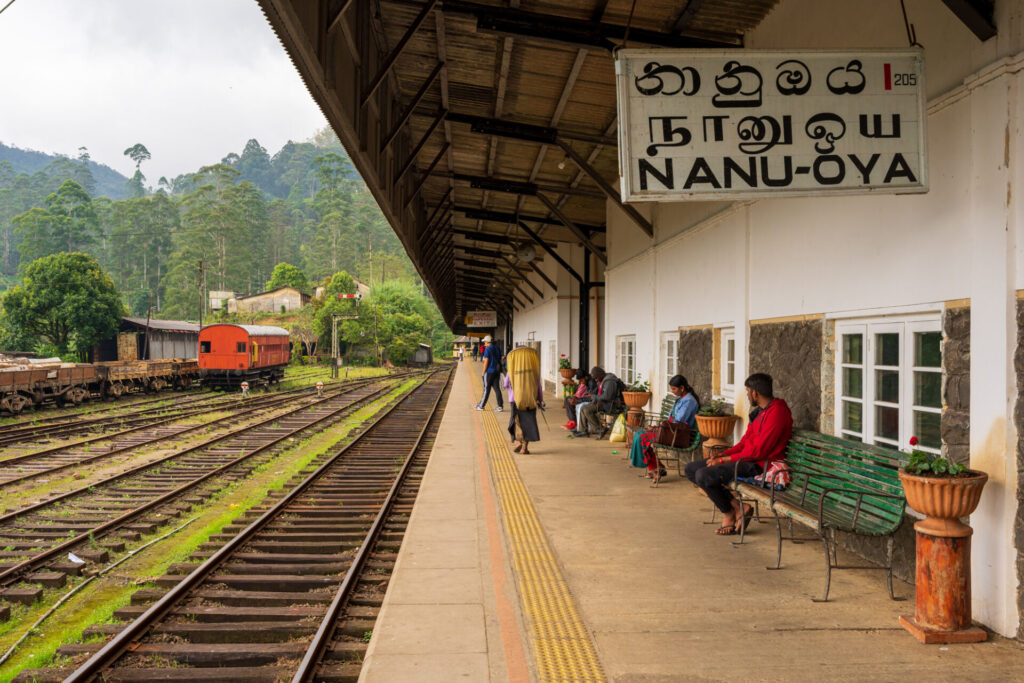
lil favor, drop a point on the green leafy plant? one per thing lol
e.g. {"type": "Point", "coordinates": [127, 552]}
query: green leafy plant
{"type": "Point", "coordinates": [714, 408]}
{"type": "Point", "coordinates": [928, 464]}
{"type": "Point", "coordinates": [639, 384]}
{"type": "Point", "coordinates": [564, 364]}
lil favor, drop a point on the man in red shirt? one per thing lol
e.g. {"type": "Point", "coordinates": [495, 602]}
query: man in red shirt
{"type": "Point", "coordinates": [768, 432]}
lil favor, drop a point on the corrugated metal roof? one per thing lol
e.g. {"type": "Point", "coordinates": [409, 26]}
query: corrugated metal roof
{"type": "Point", "coordinates": [170, 325]}
{"type": "Point", "coordinates": [271, 291]}
{"type": "Point", "coordinates": [256, 330]}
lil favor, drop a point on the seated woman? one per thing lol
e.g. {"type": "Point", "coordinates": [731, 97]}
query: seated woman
{"type": "Point", "coordinates": [685, 410]}
{"type": "Point", "coordinates": [585, 391]}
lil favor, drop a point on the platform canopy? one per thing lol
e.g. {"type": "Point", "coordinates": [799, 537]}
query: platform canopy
{"type": "Point", "coordinates": [481, 127]}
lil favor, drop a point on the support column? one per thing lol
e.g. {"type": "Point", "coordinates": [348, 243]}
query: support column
{"type": "Point", "coordinates": [584, 313]}
{"type": "Point", "coordinates": [993, 343]}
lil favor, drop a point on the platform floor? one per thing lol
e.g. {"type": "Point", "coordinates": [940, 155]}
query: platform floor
{"type": "Point", "coordinates": [615, 579]}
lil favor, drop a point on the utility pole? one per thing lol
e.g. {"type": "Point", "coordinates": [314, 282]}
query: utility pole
{"type": "Point", "coordinates": [334, 346]}
{"type": "Point", "coordinates": [202, 292]}
{"type": "Point", "coordinates": [149, 315]}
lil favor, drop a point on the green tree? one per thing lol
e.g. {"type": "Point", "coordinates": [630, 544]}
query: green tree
{"type": "Point", "coordinates": [394, 319]}
{"type": "Point", "coordinates": [67, 223]}
{"type": "Point", "coordinates": [287, 275]}
{"type": "Point", "coordinates": [65, 299]}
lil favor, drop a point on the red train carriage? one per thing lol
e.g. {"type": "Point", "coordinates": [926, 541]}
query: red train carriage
{"type": "Point", "coordinates": [231, 354]}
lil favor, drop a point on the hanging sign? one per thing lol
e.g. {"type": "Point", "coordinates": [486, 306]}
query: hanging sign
{"type": "Point", "coordinates": [481, 319]}
{"type": "Point", "coordinates": [734, 124]}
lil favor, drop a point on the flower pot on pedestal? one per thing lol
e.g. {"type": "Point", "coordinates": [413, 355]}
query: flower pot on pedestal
{"type": "Point", "coordinates": [567, 373]}
{"type": "Point", "coordinates": [636, 400]}
{"type": "Point", "coordinates": [942, 611]}
{"type": "Point", "coordinates": [716, 430]}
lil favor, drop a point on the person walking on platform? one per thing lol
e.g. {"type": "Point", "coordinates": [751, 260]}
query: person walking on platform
{"type": "Point", "coordinates": [525, 394]}
{"type": "Point", "coordinates": [491, 374]}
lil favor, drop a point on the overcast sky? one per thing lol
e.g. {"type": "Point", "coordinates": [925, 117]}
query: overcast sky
{"type": "Point", "coordinates": [190, 79]}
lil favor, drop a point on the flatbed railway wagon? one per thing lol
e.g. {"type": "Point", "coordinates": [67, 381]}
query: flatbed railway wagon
{"type": "Point", "coordinates": [117, 378]}
{"type": "Point", "coordinates": [72, 383]}
{"type": "Point", "coordinates": [232, 354]}
{"type": "Point", "coordinates": [25, 386]}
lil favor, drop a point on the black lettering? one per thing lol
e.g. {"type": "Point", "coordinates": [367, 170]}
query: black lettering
{"type": "Point", "coordinates": [865, 170]}
{"type": "Point", "coordinates": [749, 175]}
{"type": "Point", "coordinates": [700, 172]}
{"type": "Point", "coordinates": [899, 168]}
{"type": "Point", "coordinates": [787, 177]}
{"type": "Point", "coordinates": [838, 174]}
{"type": "Point", "coordinates": [716, 128]}
{"type": "Point", "coordinates": [665, 178]}
{"type": "Point", "coordinates": [738, 86]}
{"type": "Point", "coordinates": [875, 131]}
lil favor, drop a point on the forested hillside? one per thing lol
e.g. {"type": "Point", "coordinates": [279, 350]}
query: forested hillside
{"type": "Point", "coordinates": [238, 218]}
{"type": "Point", "coordinates": [106, 181]}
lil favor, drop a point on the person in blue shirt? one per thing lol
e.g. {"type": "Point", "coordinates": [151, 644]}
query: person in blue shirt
{"type": "Point", "coordinates": [492, 373]}
{"type": "Point", "coordinates": [684, 410]}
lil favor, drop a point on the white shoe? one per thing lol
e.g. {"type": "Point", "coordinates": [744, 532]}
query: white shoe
{"type": "Point", "coordinates": [499, 409]}
{"type": "Point", "coordinates": [478, 407]}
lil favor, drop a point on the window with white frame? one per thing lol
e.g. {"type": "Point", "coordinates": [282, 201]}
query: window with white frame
{"type": "Point", "coordinates": [727, 354]}
{"type": "Point", "coordinates": [669, 355]}
{"type": "Point", "coordinates": [889, 382]}
{"type": "Point", "coordinates": [625, 358]}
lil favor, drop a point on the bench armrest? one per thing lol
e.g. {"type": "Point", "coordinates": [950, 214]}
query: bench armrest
{"type": "Point", "coordinates": [825, 493]}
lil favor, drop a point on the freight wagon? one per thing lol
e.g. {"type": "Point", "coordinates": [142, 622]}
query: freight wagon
{"type": "Point", "coordinates": [72, 383]}
{"type": "Point", "coordinates": [232, 354]}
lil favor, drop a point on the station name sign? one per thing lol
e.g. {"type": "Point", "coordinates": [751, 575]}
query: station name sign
{"type": "Point", "coordinates": [734, 124]}
{"type": "Point", "coordinates": [482, 319]}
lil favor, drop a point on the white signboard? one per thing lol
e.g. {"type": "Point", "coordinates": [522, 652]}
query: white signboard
{"type": "Point", "coordinates": [732, 124]}
{"type": "Point", "coordinates": [481, 319]}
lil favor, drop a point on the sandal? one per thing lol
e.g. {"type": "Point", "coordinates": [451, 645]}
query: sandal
{"type": "Point", "coordinates": [518, 448]}
{"type": "Point", "coordinates": [748, 515]}
{"type": "Point", "coordinates": [727, 530]}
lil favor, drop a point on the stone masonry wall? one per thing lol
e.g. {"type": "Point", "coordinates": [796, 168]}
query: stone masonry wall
{"type": "Point", "coordinates": [695, 360]}
{"type": "Point", "coordinates": [955, 423]}
{"type": "Point", "coordinates": [791, 353]}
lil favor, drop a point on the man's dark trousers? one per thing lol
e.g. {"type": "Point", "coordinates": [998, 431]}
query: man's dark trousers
{"type": "Point", "coordinates": [714, 478]}
{"type": "Point", "coordinates": [491, 380]}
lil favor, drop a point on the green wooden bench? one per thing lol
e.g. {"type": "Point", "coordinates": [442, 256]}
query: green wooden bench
{"type": "Point", "coordinates": [666, 453]}
{"type": "Point", "coordinates": [837, 485]}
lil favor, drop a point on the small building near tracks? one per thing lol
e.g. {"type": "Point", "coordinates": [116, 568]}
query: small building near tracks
{"type": "Point", "coordinates": [142, 339]}
{"type": "Point", "coordinates": [280, 300]}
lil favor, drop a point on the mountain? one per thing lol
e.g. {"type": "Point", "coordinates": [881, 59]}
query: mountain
{"type": "Point", "coordinates": [109, 183]}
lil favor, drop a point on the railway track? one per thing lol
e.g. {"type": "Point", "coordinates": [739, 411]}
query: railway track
{"type": "Point", "coordinates": [291, 589]}
{"type": "Point", "coordinates": [95, 520]}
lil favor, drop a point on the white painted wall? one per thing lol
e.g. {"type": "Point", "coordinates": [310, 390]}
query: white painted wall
{"type": "Point", "coordinates": [716, 263]}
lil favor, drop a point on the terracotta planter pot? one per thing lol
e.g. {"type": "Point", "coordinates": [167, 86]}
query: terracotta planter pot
{"type": "Point", "coordinates": [943, 501]}
{"type": "Point", "coordinates": [636, 399]}
{"type": "Point", "coordinates": [716, 427]}
{"type": "Point", "coordinates": [567, 373]}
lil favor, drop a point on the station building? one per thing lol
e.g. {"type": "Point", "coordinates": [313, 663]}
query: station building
{"type": "Point", "coordinates": [485, 127]}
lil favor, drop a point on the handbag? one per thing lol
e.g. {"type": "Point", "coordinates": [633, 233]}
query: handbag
{"type": "Point", "coordinates": [674, 434]}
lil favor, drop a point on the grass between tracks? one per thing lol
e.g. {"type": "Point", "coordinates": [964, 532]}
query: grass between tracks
{"type": "Point", "coordinates": [97, 603]}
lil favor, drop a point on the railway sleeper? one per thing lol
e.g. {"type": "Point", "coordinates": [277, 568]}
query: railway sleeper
{"type": "Point", "coordinates": [211, 654]}
{"type": "Point", "coordinates": [146, 596]}
{"type": "Point", "coordinates": [262, 569]}
{"type": "Point", "coordinates": [255, 632]}
{"type": "Point", "coordinates": [208, 614]}
{"type": "Point", "coordinates": [265, 674]}
{"type": "Point", "coordinates": [22, 596]}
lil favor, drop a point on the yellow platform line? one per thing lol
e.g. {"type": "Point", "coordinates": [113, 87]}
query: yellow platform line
{"type": "Point", "coordinates": [561, 642]}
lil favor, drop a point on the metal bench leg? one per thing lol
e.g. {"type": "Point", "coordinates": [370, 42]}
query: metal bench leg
{"type": "Point", "coordinates": [778, 557]}
{"type": "Point", "coordinates": [828, 568]}
{"type": "Point", "coordinates": [888, 567]}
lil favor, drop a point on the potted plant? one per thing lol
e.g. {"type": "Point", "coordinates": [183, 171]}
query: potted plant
{"type": "Point", "coordinates": [637, 394]}
{"type": "Point", "coordinates": [714, 423]}
{"type": "Point", "coordinates": [565, 368]}
{"type": "Point", "coordinates": [942, 491]}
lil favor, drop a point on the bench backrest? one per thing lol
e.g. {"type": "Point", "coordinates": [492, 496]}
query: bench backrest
{"type": "Point", "coordinates": [848, 465]}
{"type": "Point", "coordinates": [667, 404]}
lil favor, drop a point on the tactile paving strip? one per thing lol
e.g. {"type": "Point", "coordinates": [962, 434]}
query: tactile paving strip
{"type": "Point", "coordinates": [561, 642]}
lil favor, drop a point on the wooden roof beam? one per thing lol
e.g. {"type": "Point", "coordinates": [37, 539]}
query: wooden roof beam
{"type": "Point", "coordinates": [975, 15]}
{"type": "Point", "coordinates": [566, 30]}
{"type": "Point", "coordinates": [416, 99]}
{"type": "Point", "coordinates": [512, 218]}
{"type": "Point", "coordinates": [397, 51]}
